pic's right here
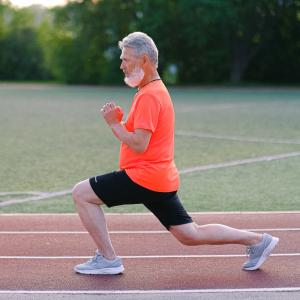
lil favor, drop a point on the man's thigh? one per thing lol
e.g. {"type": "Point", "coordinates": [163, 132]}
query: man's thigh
{"type": "Point", "coordinates": [116, 188]}
{"type": "Point", "coordinates": [169, 210]}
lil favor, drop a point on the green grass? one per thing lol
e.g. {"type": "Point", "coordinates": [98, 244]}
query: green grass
{"type": "Point", "coordinates": [52, 136]}
{"type": "Point", "coordinates": [264, 186]}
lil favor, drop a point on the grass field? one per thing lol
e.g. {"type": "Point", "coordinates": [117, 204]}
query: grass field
{"type": "Point", "coordinates": [53, 136]}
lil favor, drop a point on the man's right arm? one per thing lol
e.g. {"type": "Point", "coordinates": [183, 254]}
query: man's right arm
{"type": "Point", "coordinates": [137, 140]}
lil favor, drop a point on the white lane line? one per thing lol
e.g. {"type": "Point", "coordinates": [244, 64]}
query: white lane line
{"type": "Point", "coordinates": [181, 291]}
{"type": "Point", "coordinates": [21, 193]}
{"type": "Point", "coordinates": [145, 256]}
{"type": "Point", "coordinates": [42, 196]}
{"type": "Point", "coordinates": [239, 162]}
{"type": "Point", "coordinates": [134, 231]}
{"type": "Point", "coordinates": [236, 138]}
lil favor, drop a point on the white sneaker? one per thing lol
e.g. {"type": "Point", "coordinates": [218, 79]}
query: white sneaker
{"type": "Point", "coordinates": [100, 265]}
{"type": "Point", "coordinates": [260, 252]}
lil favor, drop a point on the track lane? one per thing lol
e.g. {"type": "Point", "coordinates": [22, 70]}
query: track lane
{"type": "Point", "coordinates": [125, 245]}
{"type": "Point", "coordinates": [71, 222]}
{"type": "Point", "coordinates": [158, 273]}
{"type": "Point", "coordinates": [149, 274]}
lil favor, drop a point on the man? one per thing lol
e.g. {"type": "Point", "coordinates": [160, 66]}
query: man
{"type": "Point", "coordinates": [147, 173]}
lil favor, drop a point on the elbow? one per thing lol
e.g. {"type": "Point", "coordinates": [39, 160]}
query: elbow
{"type": "Point", "coordinates": [140, 149]}
{"type": "Point", "coordinates": [139, 143]}
{"type": "Point", "coordinates": [137, 147]}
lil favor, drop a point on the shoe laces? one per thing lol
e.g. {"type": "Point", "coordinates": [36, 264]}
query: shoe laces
{"type": "Point", "coordinates": [95, 258]}
{"type": "Point", "coordinates": [249, 251]}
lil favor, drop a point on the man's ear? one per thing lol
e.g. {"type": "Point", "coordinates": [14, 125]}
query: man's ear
{"type": "Point", "coordinates": [145, 60]}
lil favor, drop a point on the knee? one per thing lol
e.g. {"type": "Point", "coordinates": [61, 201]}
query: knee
{"type": "Point", "coordinates": [77, 194]}
{"type": "Point", "coordinates": [188, 240]}
{"type": "Point", "coordinates": [188, 236]}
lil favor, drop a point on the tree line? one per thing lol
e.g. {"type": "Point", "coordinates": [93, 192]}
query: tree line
{"type": "Point", "coordinates": [199, 41]}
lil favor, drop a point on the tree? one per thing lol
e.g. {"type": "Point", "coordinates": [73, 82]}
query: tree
{"type": "Point", "coordinates": [190, 35]}
{"type": "Point", "coordinates": [21, 56]}
{"type": "Point", "coordinates": [84, 40]}
{"type": "Point", "coordinates": [199, 41]}
{"type": "Point", "coordinates": [279, 60]}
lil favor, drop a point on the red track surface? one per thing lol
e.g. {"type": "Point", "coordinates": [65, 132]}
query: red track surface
{"type": "Point", "coordinates": [44, 260]}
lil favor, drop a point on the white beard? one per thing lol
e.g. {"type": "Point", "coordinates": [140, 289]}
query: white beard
{"type": "Point", "coordinates": [135, 78]}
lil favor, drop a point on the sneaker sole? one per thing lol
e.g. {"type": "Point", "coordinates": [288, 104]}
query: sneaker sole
{"type": "Point", "coordinates": [264, 255]}
{"type": "Point", "coordinates": [106, 271]}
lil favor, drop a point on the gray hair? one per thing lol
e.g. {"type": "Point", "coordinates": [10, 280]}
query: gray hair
{"type": "Point", "coordinates": [142, 43]}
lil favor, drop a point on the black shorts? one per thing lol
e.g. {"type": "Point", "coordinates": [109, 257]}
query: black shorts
{"type": "Point", "coordinates": [117, 188]}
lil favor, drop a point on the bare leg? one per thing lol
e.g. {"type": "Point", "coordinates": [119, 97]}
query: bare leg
{"type": "Point", "coordinates": [213, 234]}
{"type": "Point", "coordinates": [93, 218]}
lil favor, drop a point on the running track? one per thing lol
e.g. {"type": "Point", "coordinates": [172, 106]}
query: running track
{"type": "Point", "coordinates": [38, 252]}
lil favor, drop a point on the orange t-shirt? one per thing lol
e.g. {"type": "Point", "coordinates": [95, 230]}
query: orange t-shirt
{"type": "Point", "coordinates": [152, 109]}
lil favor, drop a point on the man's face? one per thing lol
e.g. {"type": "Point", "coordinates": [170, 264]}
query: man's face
{"type": "Point", "coordinates": [130, 65]}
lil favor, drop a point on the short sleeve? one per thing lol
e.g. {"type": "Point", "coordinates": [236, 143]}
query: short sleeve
{"type": "Point", "coordinates": [147, 113]}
